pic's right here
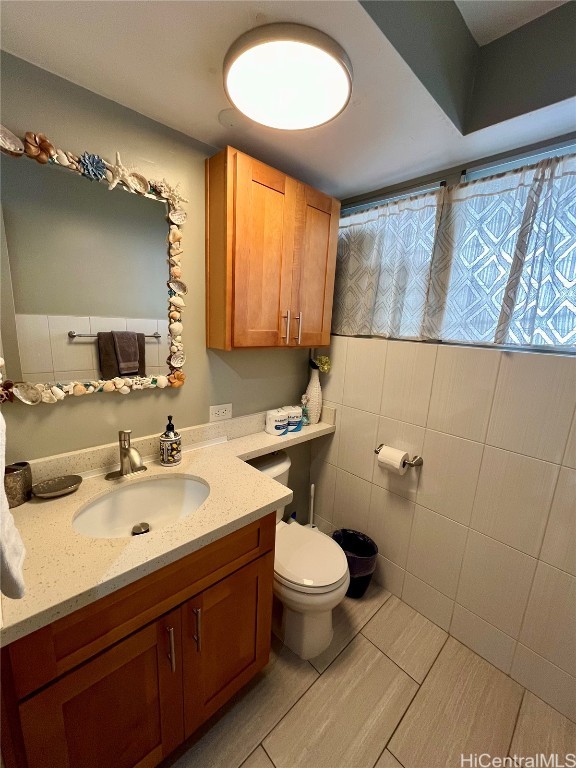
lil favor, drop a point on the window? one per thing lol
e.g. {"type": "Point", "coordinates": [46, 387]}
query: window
{"type": "Point", "coordinates": [486, 261]}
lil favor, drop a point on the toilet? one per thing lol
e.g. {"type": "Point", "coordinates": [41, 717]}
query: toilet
{"type": "Point", "coordinates": [310, 575]}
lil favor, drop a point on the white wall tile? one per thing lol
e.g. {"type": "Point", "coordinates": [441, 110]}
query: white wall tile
{"type": "Point", "coordinates": [427, 601]}
{"type": "Point", "coordinates": [389, 575]}
{"type": "Point", "coordinates": [351, 501]}
{"type": "Point", "coordinates": [389, 524]}
{"type": "Point", "coordinates": [405, 437]}
{"type": "Point", "coordinates": [569, 459]}
{"type": "Point", "coordinates": [546, 680]}
{"type": "Point", "coordinates": [39, 378]}
{"type": "Point", "coordinates": [495, 582]}
{"type": "Point", "coordinates": [152, 346]}
{"type": "Point", "coordinates": [71, 354]}
{"type": "Point", "coordinates": [436, 550]}
{"type": "Point", "coordinates": [533, 404]}
{"type": "Point", "coordinates": [325, 448]}
{"type": "Point", "coordinates": [449, 475]}
{"type": "Point", "coordinates": [324, 525]}
{"type": "Point", "coordinates": [549, 626]}
{"type": "Point", "coordinates": [513, 499]}
{"type": "Point", "coordinates": [365, 360]}
{"type": "Point", "coordinates": [559, 547]}
{"type": "Point", "coordinates": [357, 442]}
{"type": "Point", "coordinates": [107, 324]}
{"type": "Point", "coordinates": [323, 475]}
{"type": "Point", "coordinates": [64, 376]}
{"type": "Point", "coordinates": [464, 381]}
{"type": "Point", "coordinates": [408, 381]}
{"type": "Point", "coordinates": [333, 383]}
{"type": "Point", "coordinates": [34, 344]}
{"type": "Point", "coordinates": [484, 639]}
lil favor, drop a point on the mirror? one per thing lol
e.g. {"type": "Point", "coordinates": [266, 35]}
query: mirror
{"type": "Point", "coordinates": [82, 259]}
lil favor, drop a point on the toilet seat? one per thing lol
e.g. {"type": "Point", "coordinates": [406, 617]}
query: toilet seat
{"type": "Point", "coordinates": [308, 561]}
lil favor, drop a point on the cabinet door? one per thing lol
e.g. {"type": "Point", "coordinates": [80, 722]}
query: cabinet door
{"type": "Point", "coordinates": [263, 243]}
{"type": "Point", "coordinates": [317, 217]}
{"type": "Point", "coordinates": [122, 709]}
{"type": "Point", "coordinates": [226, 638]}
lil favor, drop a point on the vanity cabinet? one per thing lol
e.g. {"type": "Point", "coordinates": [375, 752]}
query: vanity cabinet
{"type": "Point", "coordinates": [122, 709]}
{"type": "Point", "coordinates": [124, 681]}
{"type": "Point", "coordinates": [270, 256]}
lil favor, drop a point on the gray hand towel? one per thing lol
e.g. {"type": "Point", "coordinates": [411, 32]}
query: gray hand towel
{"type": "Point", "coordinates": [126, 345]}
{"type": "Point", "coordinates": [107, 356]}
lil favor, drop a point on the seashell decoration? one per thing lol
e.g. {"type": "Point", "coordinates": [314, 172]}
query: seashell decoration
{"type": "Point", "coordinates": [108, 386]}
{"type": "Point", "coordinates": [48, 396]}
{"type": "Point", "coordinates": [138, 183]}
{"type": "Point", "coordinates": [175, 328]}
{"type": "Point", "coordinates": [79, 390]}
{"type": "Point", "coordinates": [125, 390]}
{"type": "Point", "coordinates": [177, 379]}
{"type": "Point", "coordinates": [175, 271]}
{"type": "Point", "coordinates": [178, 216]}
{"type": "Point", "coordinates": [179, 287]}
{"type": "Point", "coordinates": [27, 393]}
{"type": "Point", "coordinates": [118, 382]}
{"type": "Point", "coordinates": [177, 301]}
{"type": "Point", "coordinates": [177, 360]}
{"type": "Point", "coordinates": [62, 158]}
{"type": "Point", "coordinates": [92, 166]}
{"type": "Point", "coordinates": [161, 382]}
{"type": "Point", "coordinates": [37, 146]}
{"type": "Point", "coordinates": [175, 235]}
{"type": "Point", "coordinates": [9, 143]}
{"type": "Point", "coordinates": [57, 392]}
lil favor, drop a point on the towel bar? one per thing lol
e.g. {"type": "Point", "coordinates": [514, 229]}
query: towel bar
{"type": "Point", "coordinates": [74, 335]}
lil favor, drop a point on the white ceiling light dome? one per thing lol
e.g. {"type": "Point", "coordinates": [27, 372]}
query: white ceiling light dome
{"type": "Point", "coordinates": [288, 76]}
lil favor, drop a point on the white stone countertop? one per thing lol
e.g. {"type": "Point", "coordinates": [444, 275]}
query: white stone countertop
{"type": "Point", "coordinates": [65, 570]}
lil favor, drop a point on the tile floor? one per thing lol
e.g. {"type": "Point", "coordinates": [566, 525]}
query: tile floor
{"type": "Point", "coordinates": [392, 690]}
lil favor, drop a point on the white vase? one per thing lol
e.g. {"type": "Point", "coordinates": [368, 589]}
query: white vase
{"type": "Point", "coordinates": [314, 393]}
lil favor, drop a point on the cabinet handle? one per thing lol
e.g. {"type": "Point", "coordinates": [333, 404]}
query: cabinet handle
{"type": "Point", "coordinates": [198, 635]}
{"type": "Point", "coordinates": [172, 653]}
{"type": "Point", "coordinates": [288, 318]}
{"type": "Point", "coordinates": [298, 339]}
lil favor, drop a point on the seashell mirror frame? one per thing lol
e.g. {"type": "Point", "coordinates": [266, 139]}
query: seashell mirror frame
{"type": "Point", "coordinates": [36, 146]}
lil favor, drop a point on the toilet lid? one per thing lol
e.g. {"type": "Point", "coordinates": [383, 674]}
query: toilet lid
{"type": "Point", "coordinates": [308, 557]}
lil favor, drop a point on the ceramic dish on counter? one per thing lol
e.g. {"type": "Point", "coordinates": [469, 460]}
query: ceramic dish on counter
{"type": "Point", "coordinates": [57, 486]}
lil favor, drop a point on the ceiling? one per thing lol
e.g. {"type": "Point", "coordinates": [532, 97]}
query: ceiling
{"type": "Point", "coordinates": [164, 60]}
{"type": "Point", "coordinates": [488, 20]}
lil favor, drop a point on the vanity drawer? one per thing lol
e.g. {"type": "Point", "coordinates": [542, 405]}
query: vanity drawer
{"type": "Point", "coordinates": [47, 653]}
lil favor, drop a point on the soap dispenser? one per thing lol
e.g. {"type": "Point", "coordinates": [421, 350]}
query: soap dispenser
{"type": "Point", "coordinates": [170, 446]}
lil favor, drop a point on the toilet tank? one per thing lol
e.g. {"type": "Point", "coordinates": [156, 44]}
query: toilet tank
{"type": "Point", "coordinates": [277, 466]}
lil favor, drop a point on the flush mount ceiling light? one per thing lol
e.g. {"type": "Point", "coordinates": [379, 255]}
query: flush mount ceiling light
{"type": "Point", "coordinates": [288, 76]}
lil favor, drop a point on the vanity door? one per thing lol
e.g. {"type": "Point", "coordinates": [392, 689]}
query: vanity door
{"type": "Point", "coordinates": [226, 638]}
{"type": "Point", "coordinates": [122, 708]}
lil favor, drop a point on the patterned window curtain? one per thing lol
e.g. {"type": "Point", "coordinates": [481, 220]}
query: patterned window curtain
{"type": "Point", "coordinates": [540, 300]}
{"type": "Point", "coordinates": [489, 261]}
{"type": "Point", "coordinates": [477, 236]}
{"type": "Point", "coordinates": [383, 268]}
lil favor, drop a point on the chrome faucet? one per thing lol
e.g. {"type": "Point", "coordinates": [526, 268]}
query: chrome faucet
{"type": "Point", "coordinates": [130, 459]}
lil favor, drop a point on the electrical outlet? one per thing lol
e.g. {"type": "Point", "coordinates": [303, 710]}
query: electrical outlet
{"type": "Point", "coordinates": [220, 412]}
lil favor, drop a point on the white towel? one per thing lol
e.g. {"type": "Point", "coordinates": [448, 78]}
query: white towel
{"type": "Point", "coordinates": [12, 550]}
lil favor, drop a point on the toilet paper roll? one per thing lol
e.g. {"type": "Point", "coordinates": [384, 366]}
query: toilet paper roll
{"type": "Point", "coordinates": [393, 460]}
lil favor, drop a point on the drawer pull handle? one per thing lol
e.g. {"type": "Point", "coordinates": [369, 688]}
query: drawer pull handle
{"type": "Point", "coordinates": [172, 653]}
{"type": "Point", "coordinates": [298, 339]}
{"type": "Point", "coordinates": [288, 318]}
{"type": "Point", "coordinates": [198, 635]}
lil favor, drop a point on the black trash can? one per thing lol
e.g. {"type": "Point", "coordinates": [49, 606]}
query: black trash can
{"type": "Point", "coordinates": [361, 553]}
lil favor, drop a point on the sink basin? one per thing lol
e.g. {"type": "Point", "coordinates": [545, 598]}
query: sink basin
{"type": "Point", "coordinates": [157, 501]}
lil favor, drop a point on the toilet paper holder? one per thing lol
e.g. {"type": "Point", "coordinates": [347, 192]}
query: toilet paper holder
{"type": "Point", "coordinates": [417, 461]}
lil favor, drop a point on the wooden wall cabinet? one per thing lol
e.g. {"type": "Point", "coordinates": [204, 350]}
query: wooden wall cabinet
{"type": "Point", "coordinates": [270, 256]}
{"type": "Point", "coordinates": [131, 704]}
